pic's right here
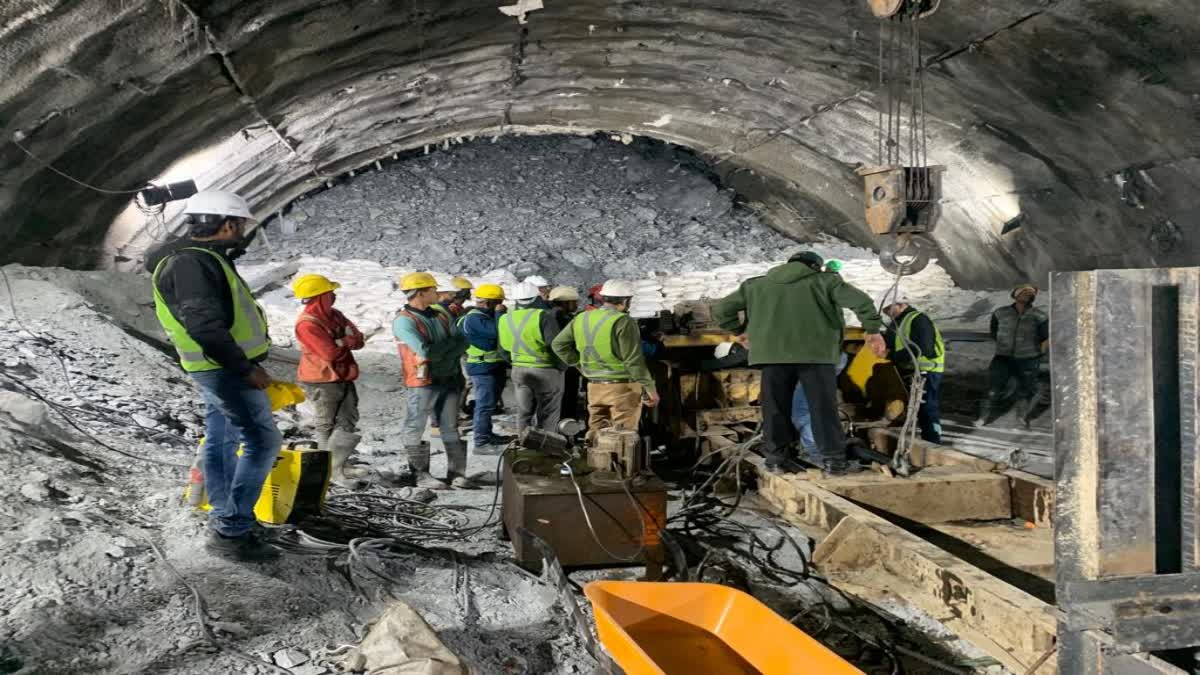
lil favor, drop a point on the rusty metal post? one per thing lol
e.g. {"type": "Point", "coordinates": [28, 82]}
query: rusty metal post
{"type": "Point", "coordinates": [1124, 351]}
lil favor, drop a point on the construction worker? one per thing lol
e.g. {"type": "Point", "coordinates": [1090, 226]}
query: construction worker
{"type": "Point", "coordinates": [606, 346]}
{"type": "Point", "coordinates": [565, 301]}
{"type": "Point", "coordinates": [915, 344]}
{"type": "Point", "coordinates": [794, 332]}
{"type": "Point", "coordinates": [430, 348]}
{"type": "Point", "coordinates": [220, 332]}
{"type": "Point", "coordinates": [453, 294]}
{"type": "Point", "coordinates": [802, 416]}
{"type": "Point", "coordinates": [593, 298]}
{"type": "Point", "coordinates": [1021, 332]}
{"type": "Point", "coordinates": [543, 289]}
{"type": "Point", "coordinates": [485, 366]}
{"type": "Point", "coordinates": [328, 370]}
{"type": "Point", "coordinates": [525, 335]}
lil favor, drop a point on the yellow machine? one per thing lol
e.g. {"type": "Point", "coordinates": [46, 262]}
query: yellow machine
{"type": "Point", "coordinates": [295, 488]}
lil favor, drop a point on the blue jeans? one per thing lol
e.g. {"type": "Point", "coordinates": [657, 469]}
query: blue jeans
{"type": "Point", "coordinates": [802, 420]}
{"type": "Point", "coordinates": [929, 415]}
{"type": "Point", "coordinates": [487, 389]}
{"type": "Point", "coordinates": [235, 413]}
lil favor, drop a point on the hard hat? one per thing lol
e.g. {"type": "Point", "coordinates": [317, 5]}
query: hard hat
{"type": "Point", "coordinates": [415, 280]}
{"type": "Point", "coordinates": [489, 292]}
{"type": "Point", "coordinates": [525, 291]}
{"type": "Point", "coordinates": [563, 293]}
{"type": "Point", "coordinates": [833, 266]}
{"type": "Point", "coordinates": [537, 281]}
{"type": "Point", "coordinates": [284, 394]}
{"type": "Point", "coordinates": [462, 283]}
{"type": "Point", "coordinates": [218, 203]}
{"type": "Point", "coordinates": [723, 350]}
{"type": "Point", "coordinates": [1020, 287]}
{"type": "Point", "coordinates": [810, 258]}
{"type": "Point", "coordinates": [617, 288]}
{"type": "Point", "coordinates": [312, 285]}
{"type": "Point", "coordinates": [445, 285]}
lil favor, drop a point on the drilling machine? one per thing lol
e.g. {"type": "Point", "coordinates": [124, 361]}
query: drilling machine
{"type": "Point", "coordinates": [595, 505]}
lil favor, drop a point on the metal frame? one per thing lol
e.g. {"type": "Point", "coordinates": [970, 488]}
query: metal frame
{"type": "Point", "coordinates": [1124, 354]}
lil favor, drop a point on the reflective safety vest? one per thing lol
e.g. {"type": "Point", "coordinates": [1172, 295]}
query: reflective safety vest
{"type": "Point", "coordinates": [249, 327]}
{"type": "Point", "coordinates": [521, 336]}
{"type": "Point", "coordinates": [475, 354]}
{"type": "Point", "coordinates": [936, 364]}
{"type": "Point", "coordinates": [594, 339]}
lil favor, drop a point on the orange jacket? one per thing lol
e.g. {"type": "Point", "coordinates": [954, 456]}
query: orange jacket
{"type": "Point", "coordinates": [326, 339]}
{"type": "Point", "coordinates": [417, 367]}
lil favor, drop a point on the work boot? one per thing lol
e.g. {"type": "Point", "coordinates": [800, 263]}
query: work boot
{"type": "Point", "coordinates": [243, 548]}
{"type": "Point", "coordinates": [840, 467]}
{"type": "Point", "coordinates": [461, 482]}
{"type": "Point", "coordinates": [341, 445]}
{"type": "Point", "coordinates": [426, 480]}
{"type": "Point", "coordinates": [501, 439]}
{"type": "Point", "coordinates": [491, 449]}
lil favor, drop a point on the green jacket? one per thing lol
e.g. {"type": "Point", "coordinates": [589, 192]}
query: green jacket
{"type": "Point", "coordinates": [794, 314]}
{"type": "Point", "coordinates": [625, 342]}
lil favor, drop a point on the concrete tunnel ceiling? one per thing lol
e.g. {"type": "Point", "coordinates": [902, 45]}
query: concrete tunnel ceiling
{"type": "Point", "coordinates": [1070, 128]}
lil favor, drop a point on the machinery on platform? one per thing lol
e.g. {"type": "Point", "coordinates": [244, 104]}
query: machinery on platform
{"type": "Point", "coordinates": [597, 506]}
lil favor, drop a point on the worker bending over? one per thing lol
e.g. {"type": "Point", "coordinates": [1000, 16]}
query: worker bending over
{"type": "Point", "coordinates": [606, 346]}
{"type": "Point", "coordinates": [565, 303]}
{"type": "Point", "coordinates": [1021, 332]}
{"type": "Point", "coordinates": [485, 366]}
{"type": "Point", "coordinates": [525, 335]}
{"type": "Point", "coordinates": [328, 370]}
{"type": "Point", "coordinates": [794, 331]}
{"type": "Point", "coordinates": [220, 332]}
{"type": "Point", "coordinates": [430, 347]}
{"type": "Point", "coordinates": [915, 344]}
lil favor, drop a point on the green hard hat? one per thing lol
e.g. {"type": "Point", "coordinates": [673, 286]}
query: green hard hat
{"type": "Point", "coordinates": [833, 266]}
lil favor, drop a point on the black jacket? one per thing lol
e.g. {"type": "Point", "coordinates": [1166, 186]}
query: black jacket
{"type": "Point", "coordinates": [921, 336]}
{"type": "Point", "coordinates": [194, 287]}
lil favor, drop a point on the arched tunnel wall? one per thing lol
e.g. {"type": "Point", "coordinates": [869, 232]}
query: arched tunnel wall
{"type": "Point", "coordinates": [1075, 120]}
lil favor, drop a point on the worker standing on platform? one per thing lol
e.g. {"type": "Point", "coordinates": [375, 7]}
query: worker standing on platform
{"type": "Point", "coordinates": [328, 370]}
{"type": "Point", "coordinates": [485, 366]}
{"type": "Point", "coordinates": [543, 289]}
{"type": "Point", "coordinates": [430, 348]}
{"type": "Point", "coordinates": [1021, 332]}
{"type": "Point", "coordinates": [606, 346]}
{"type": "Point", "coordinates": [220, 332]}
{"type": "Point", "coordinates": [915, 344]}
{"type": "Point", "coordinates": [565, 301]}
{"type": "Point", "coordinates": [794, 331]}
{"type": "Point", "coordinates": [525, 335]}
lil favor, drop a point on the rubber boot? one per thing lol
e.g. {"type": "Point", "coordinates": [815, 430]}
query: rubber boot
{"type": "Point", "coordinates": [418, 461]}
{"type": "Point", "coordinates": [341, 445]}
{"type": "Point", "coordinates": [985, 413]}
{"type": "Point", "coordinates": [456, 466]}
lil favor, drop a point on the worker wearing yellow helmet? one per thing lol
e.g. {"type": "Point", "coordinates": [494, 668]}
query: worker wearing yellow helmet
{"type": "Point", "coordinates": [328, 370]}
{"type": "Point", "coordinates": [486, 366]}
{"type": "Point", "coordinates": [430, 346]}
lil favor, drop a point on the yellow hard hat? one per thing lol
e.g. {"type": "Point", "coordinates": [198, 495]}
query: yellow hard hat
{"type": "Point", "coordinates": [415, 280]}
{"type": "Point", "coordinates": [489, 292]}
{"type": "Point", "coordinates": [462, 283]}
{"type": "Point", "coordinates": [284, 394]}
{"type": "Point", "coordinates": [311, 285]}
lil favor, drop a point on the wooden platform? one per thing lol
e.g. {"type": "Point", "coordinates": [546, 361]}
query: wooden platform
{"type": "Point", "coordinates": [952, 541]}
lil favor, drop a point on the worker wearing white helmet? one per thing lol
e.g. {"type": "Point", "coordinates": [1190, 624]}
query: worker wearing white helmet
{"type": "Point", "coordinates": [221, 335]}
{"type": "Point", "coordinates": [543, 288]}
{"type": "Point", "coordinates": [606, 346]}
{"type": "Point", "coordinates": [525, 335]}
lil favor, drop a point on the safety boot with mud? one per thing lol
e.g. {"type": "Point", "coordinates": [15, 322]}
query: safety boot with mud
{"type": "Point", "coordinates": [460, 482]}
{"type": "Point", "coordinates": [341, 445]}
{"type": "Point", "coordinates": [426, 480]}
{"type": "Point", "coordinates": [243, 548]}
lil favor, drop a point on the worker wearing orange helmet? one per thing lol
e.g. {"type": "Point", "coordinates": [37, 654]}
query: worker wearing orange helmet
{"type": "Point", "coordinates": [430, 346]}
{"type": "Point", "coordinates": [328, 370]}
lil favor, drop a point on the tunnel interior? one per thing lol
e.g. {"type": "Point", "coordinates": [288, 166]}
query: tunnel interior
{"type": "Point", "coordinates": [1067, 128]}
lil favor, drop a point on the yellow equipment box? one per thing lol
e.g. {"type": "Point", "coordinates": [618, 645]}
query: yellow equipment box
{"type": "Point", "coordinates": [295, 488]}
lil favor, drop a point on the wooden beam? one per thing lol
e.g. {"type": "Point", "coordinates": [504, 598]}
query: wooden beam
{"type": "Point", "coordinates": [1010, 625]}
{"type": "Point", "coordinates": [930, 496]}
{"type": "Point", "coordinates": [1032, 498]}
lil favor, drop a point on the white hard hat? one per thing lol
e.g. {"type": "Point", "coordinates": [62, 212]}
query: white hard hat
{"type": "Point", "coordinates": [723, 350]}
{"type": "Point", "coordinates": [537, 281]}
{"type": "Point", "coordinates": [218, 203]}
{"type": "Point", "coordinates": [445, 284]}
{"type": "Point", "coordinates": [617, 288]}
{"type": "Point", "coordinates": [564, 294]}
{"type": "Point", "coordinates": [525, 291]}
